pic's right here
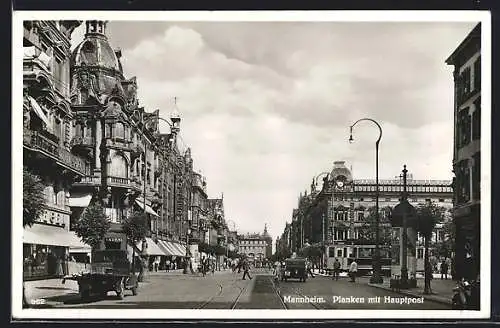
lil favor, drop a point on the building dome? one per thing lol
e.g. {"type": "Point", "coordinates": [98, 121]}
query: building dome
{"type": "Point", "coordinates": [340, 170]}
{"type": "Point", "coordinates": [95, 49]}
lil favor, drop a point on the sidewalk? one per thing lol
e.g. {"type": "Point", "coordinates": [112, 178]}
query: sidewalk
{"type": "Point", "coordinates": [442, 290]}
{"type": "Point", "coordinates": [38, 290]}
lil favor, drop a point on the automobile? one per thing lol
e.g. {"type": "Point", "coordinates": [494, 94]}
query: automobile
{"type": "Point", "coordinates": [110, 271]}
{"type": "Point", "coordinates": [295, 269]}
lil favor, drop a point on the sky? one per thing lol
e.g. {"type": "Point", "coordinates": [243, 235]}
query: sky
{"type": "Point", "coordinates": [266, 106]}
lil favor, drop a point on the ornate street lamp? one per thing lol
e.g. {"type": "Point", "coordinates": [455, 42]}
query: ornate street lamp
{"type": "Point", "coordinates": [377, 276]}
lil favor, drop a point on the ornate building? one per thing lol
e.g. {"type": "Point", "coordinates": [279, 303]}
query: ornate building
{"type": "Point", "coordinates": [47, 133]}
{"type": "Point", "coordinates": [88, 138]}
{"type": "Point", "coordinates": [466, 60]}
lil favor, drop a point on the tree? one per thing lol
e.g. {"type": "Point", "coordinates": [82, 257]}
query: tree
{"type": "Point", "coordinates": [135, 229]}
{"type": "Point", "coordinates": [33, 198]}
{"type": "Point", "coordinates": [92, 225]}
{"type": "Point", "coordinates": [33, 204]}
{"type": "Point", "coordinates": [428, 216]}
{"type": "Point", "coordinates": [368, 230]}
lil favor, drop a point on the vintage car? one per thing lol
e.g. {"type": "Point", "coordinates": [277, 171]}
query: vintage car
{"type": "Point", "coordinates": [295, 269]}
{"type": "Point", "coordinates": [110, 270]}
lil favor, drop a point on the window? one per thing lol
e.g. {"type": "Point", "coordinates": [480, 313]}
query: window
{"type": "Point", "coordinates": [477, 74]}
{"type": "Point", "coordinates": [476, 176]}
{"type": "Point", "coordinates": [464, 127]}
{"type": "Point", "coordinates": [420, 253]}
{"type": "Point", "coordinates": [118, 167]}
{"type": "Point", "coordinates": [463, 181]}
{"type": "Point", "coordinates": [361, 216]}
{"type": "Point", "coordinates": [476, 120]}
{"type": "Point", "coordinates": [119, 130]}
{"type": "Point", "coordinates": [464, 84]}
{"type": "Point", "coordinates": [441, 200]}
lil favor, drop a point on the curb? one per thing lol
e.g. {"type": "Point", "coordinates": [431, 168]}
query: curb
{"type": "Point", "coordinates": [433, 298]}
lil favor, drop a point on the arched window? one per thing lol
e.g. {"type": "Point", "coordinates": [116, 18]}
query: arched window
{"type": "Point", "coordinates": [118, 167]}
{"type": "Point", "coordinates": [119, 130]}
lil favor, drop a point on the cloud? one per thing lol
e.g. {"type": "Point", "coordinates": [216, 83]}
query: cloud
{"type": "Point", "coordinates": [267, 106]}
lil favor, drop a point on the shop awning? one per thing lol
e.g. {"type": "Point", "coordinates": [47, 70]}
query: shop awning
{"type": "Point", "coordinates": [166, 248]}
{"type": "Point", "coordinates": [152, 249]}
{"type": "Point", "coordinates": [149, 210]}
{"type": "Point", "coordinates": [39, 111]}
{"type": "Point", "coordinates": [180, 250]}
{"type": "Point", "coordinates": [80, 199]}
{"type": "Point", "coordinates": [42, 234]}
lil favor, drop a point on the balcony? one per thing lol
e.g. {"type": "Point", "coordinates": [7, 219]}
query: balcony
{"type": "Point", "coordinates": [118, 182]}
{"type": "Point", "coordinates": [38, 142]}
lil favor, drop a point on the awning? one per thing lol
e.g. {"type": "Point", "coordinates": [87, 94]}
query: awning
{"type": "Point", "coordinates": [80, 199]}
{"type": "Point", "coordinates": [166, 248]}
{"type": "Point", "coordinates": [149, 210]}
{"type": "Point", "coordinates": [41, 234]}
{"type": "Point", "coordinates": [39, 111]}
{"type": "Point", "coordinates": [152, 249]}
{"type": "Point", "coordinates": [180, 250]}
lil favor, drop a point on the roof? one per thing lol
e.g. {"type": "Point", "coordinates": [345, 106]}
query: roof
{"type": "Point", "coordinates": [95, 50]}
{"type": "Point", "coordinates": [474, 34]}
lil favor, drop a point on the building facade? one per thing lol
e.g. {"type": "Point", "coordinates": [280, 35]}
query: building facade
{"type": "Point", "coordinates": [47, 131]}
{"type": "Point", "coordinates": [255, 246]}
{"type": "Point", "coordinates": [466, 60]}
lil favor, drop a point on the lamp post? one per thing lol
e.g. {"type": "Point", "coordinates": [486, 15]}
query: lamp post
{"type": "Point", "coordinates": [188, 260]}
{"type": "Point", "coordinates": [377, 276]}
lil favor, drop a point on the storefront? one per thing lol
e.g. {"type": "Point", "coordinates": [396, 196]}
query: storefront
{"type": "Point", "coordinates": [46, 251]}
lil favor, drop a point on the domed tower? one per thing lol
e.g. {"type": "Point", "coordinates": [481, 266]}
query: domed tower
{"type": "Point", "coordinates": [105, 104]}
{"type": "Point", "coordinates": [96, 67]}
{"type": "Point", "coordinates": [340, 174]}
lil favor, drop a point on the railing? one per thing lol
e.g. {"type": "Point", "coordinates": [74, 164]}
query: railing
{"type": "Point", "coordinates": [90, 180]}
{"type": "Point", "coordinates": [84, 141]}
{"type": "Point", "coordinates": [118, 181]}
{"type": "Point", "coordinates": [36, 140]}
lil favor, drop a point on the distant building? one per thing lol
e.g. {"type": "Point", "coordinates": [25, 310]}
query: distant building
{"type": "Point", "coordinates": [466, 60]}
{"type": "Point", "coordinates": [255, 246]}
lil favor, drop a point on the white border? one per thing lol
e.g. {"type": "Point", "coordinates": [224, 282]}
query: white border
{"type": "Point", "coordinates": [316, 16]}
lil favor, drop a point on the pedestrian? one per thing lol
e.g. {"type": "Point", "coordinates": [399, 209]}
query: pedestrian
{"type": "Point", "coordinates": [309, 268]}
{"type": "Point", "coordinates": [167, 265]}
{"type": "Point", "coordinates": [444, 270]}
{"type": "Point", "coordinates": [246, 268]}
{"type": "Point", "coordinates": [336, 269]}
{"type": "Point", "coordinates": [429, 277]}
{"type": "Point", "coordinates": [203, 265]}
{"type": "Point", "coordinates": [353, 270]}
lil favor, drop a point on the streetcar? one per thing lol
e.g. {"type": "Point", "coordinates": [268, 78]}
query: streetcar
{"type": "Point", "coordinates": [363, 254]}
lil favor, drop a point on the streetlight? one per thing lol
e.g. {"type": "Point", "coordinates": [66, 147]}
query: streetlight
{"type": "Point", "coordinates": [376, 277]}
{"type": "Point", "coordinates": [188, 260]}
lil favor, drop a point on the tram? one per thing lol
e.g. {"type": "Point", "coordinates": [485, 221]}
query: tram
{"type": "Point", "coordinates": [363, 254]}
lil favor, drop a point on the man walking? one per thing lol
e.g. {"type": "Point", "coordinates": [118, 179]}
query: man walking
{"type": "Point", "coordinates": [353, 270]}
{"type": "Point", "coordinates": [444, 270]}
{"type": "Point", "coordinates": [246, 268]}
{"type": "Point", "coordinates": [336, 269]}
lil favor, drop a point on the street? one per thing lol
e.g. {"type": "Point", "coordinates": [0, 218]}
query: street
{"type": "Point", "coordinates": [226, 290]}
